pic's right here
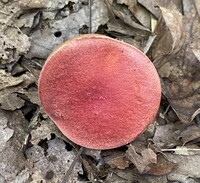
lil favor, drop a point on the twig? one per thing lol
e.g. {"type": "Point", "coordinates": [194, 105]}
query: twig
{"type": "Point", "coordinates": [90, 16]}
{"type": "Point", "coordinates": [69, 171]}
{"type": "Point", "coordinates": [166, 150]}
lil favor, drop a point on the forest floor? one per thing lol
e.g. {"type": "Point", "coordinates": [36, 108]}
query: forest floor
{"type": "Point", "coordinates": [32, 149]}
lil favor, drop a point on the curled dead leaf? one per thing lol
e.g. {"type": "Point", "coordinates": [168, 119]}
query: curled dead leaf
{"type": "Point", "coordinates": [191, 133]}
{"type": "Point", "coordinates": [142, 161]}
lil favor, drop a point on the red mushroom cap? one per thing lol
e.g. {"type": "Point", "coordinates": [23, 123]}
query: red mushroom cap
{"type": "Point", "coordinates": [100, 92]}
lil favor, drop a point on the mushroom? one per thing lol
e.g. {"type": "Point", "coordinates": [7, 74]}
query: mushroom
{"type": "Point", "coordinates": [100, 92]}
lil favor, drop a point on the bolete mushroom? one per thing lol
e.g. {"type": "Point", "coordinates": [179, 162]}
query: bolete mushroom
{"type": "Point", "coordinates": [100, 92]}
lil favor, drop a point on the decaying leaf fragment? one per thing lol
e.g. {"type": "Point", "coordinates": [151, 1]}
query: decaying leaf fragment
{"type": "Point", "coordinates": [162, 167]}
{"type": "Point", "coordinates": [8, 81]}
{"type": "Point", "coordinates": [51, 163]}
{"type": "Point", "coordinates": [44, 131]}
{"type": "Point", "coordinates": [169, 33]}
{"type": "Point", "coordinates": [142, 161]}
{"type": "Point", "coordinates": [13, 43]}
{"type": "Point", "coordinates": [5, 132]}
{"type": "Point", "coordinates": [132, 4]}
{"type": "Point", "coordinates": [166, 136]}
{"type": "Point", "coordinates": [11, 101]}
{"type": "Point", "coordinates": [9, 88]}
{"type": "Point", "coordinates": [191, 133]}
{"type": "Point", "coordinates": [30, 4]}
{"type": "Point", "coordinates": [12, 160]}
{"type": "Point", "coordinates": [187, 166]}
{"type": "Point", "coordinates": [152, 5]}
{"type": "Point", "coordinates": [124, 15]}
{"type": "Point", "coordinates": [117, 160]}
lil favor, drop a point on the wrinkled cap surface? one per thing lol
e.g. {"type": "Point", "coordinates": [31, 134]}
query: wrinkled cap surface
{"type": "Point", "coordinates": [100, 92]}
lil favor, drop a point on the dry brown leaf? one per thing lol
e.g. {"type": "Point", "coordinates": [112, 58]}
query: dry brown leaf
{"type": "Point", "coordinates": [96, 154]}
{"type": "Point", "coordinates": [32, 95]}
{"type": "Point", "coordinates": [191, 133]}
{"type": "Point", "coordinates": [117, 160]}
{"type": "Point", "coordinates": [42, 44]}
{"type": "Point", "coordinates": [143, 16]}
{"type": "Point", "coordinates": [7, 81]}
{"type": "Point", "coordinates": [10, 84]}
{"type": "Point", "coordinates": [5, 132]}
{"type": "Point", "coordinates": [124, 15]}
{"type": "Point", "coordinates": [90, 170]}
{"type": "Point", "coordinates": [54, 5]}
{"type": "Point", "coordinates": [13, 42]}
{"type": "Point", "coordinates": [33, 67]}
{"type": "Point", "coordinates": [126, 33]}
{"type": "Point", "coordinates": [12, 160]}
{"type": "Point", "coordinates": [152, 5]}
{"type": "Point", "coordinates": [162, 167]}
{"type": "Point", "coordinates": [132, 5]}
{"type": "Point", "coordinates": [121, 28]}
{"type": "Point", "coordinates": [17, 69]}
{"type": "Point", "coordinates": [140, 144]}
{"type": "Point", "coordinates": [131, 41]}
{"type": "Point", "coordinates": [142, 161]}
{"type": "Point", "coordinates": [132, 28]}
{"type": "Point", "coordinates": [156, 179]}
{"type": "Point", "coordinates": [44, 131]}
{"type": "Point", "coordinates": [178, 62]}
{"type": "Point", "coordinates": [187, 167]}
{"type": "Point", "coordinates": [169, 33]}
{"type": "Point", "coordinates": [51, 163]}
{"type": "Point", "coordinates": [166, 136]}
{"type": "Point", "coordinates": [10, 87]}
{"type": "Point", "coordinates": [28, 21]}
{"type": "Point", "coordinates": [11, 101]}
{"type": "Point", "coordinates": [30, 4]}
{"type": "Point", "coordinates": [129, 175]}
{"type": "Point", "coordinates": [114, 178]}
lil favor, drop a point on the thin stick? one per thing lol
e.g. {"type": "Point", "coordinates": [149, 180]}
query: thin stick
{"type": "Point", "coordinates": [69, 171]}
{"type": "Point", "coordinates": [90, 16]}
{"type": "Point", "coordinates": [166, 150]}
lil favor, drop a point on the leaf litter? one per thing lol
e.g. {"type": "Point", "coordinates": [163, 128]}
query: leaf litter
{"type": "Point", "coordinates": [32, 149]}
